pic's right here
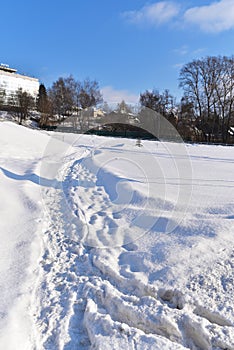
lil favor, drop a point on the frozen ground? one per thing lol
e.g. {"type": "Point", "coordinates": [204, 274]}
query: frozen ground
{"type": "Point", "coordinates": [106, 245]}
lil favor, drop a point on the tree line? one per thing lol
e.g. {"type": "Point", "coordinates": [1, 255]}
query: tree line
{"type": "Point", "coordinates": [206, 109]}
{"type": "Point", "coordinates": [204, 113]}
{"type": "Point", "coordinates": [65, 97]}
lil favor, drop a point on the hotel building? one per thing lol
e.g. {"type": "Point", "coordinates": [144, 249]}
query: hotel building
{"type": "Point", "coordinates": [10, 81]}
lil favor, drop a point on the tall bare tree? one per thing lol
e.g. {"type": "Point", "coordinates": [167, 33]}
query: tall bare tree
{"type": "Point", "coordinates": [163, 103]}
{"type": "Point", "coordinates": [190, 81]}
{"type": "Point", "coordinates": [224, 91]}
{"type": "Point", "coordinates": [88, 93]}
{"type": "Point", "coordinates": [61, 95]}
{"type": "Point", "coordinates": [21, 104]}
{"type": "Point", "coordinates": [151, 100]}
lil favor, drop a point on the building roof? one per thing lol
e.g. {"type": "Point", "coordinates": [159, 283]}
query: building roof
{"type": "Point", "coordinates": [12, 73]}
{"type": "Point", "coordinates": [6, 68]}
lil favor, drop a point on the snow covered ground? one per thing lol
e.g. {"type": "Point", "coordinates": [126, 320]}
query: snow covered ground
{"type": "Point", "coordinates": [106, 245]}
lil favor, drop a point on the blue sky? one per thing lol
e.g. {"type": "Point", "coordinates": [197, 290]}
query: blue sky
{"type": "Point", "coordinates": [127, 45]}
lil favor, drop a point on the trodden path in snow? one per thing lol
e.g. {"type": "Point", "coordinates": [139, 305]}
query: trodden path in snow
{"type": "Point", "coordinates": [91, 297]}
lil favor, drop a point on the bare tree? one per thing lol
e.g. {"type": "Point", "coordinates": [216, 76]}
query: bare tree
{"type": "Point", "coordinates": [61, 95]}
{"type": "Point", "coordinates": [163, 103]}
{"type": "Point", "coordinates": [151, 99]}
{"type": "Point", "coordinates": [224, 91]}
{"type": "Point", "coordinates": [21, 104]}
{"type": "Point", "coordinates": [190, 81]}
{"type": "Point", "coordinates": [86, 96]}
{"type": "Point", "coordinates": [88, 93]}
{"type": "Point", "coordinates": [209, 86]}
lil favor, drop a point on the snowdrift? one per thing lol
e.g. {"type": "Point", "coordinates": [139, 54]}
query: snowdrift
{"type": "Point", "coordinates": [105, 245]}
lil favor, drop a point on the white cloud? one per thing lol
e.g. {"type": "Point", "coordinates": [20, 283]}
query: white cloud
{"type": "Point", "coordinates": [216, 17]}
{"type": "Point", "coordinates": [113, 96]}
{"type": "Point", "coordinates": [155, 14]}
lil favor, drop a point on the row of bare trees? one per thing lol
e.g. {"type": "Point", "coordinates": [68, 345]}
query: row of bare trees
{"type": "Point", "coordinates": [208, 86]}
{"type": "Point", "coordinates": [67, 97]}
{"type": "Point", "coordinates": [163, 103]}
{"type": "Point", "coordinates": [20, 104]}
{"type": "Point", "coordinates": [206, 109]}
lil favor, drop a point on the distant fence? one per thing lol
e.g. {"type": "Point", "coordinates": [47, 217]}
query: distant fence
{"type": "Point", "coordinates": [209, 143]}
{"type": "Point", "coordinates": [122, 134]}
{"type": "Point", "coordinates": [109, 133]}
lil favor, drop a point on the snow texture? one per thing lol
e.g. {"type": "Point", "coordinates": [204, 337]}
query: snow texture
{"type": "Point", "coordinates": [105, 245]}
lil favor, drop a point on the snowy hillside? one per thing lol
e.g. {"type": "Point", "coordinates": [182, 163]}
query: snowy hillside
{"type": "Point", "coordinates": [106, 245]}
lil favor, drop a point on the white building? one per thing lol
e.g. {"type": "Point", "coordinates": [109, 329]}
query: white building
{"type": "Point", "coordinates": [10, 81]}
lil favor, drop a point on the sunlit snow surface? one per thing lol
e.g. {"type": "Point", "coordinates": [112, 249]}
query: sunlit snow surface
{"type": "Point", "coordinates": [106, 245]}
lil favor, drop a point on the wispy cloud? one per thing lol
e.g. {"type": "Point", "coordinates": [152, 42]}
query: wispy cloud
{"type": "Point", "coordinates": [178, 65]}
{"type": "Point", "coordinates": [216, 17]}
{"type": "Point", "coordinates": [199, 51]}
{"type": "Point", "coordinates": [185, 50]}
{"type": "Point", "coordinates": [154, 14]}
{"type": "Point", "coordinates": [114, 96]}
{"type": "Point", "coordinates": [182, 51]}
